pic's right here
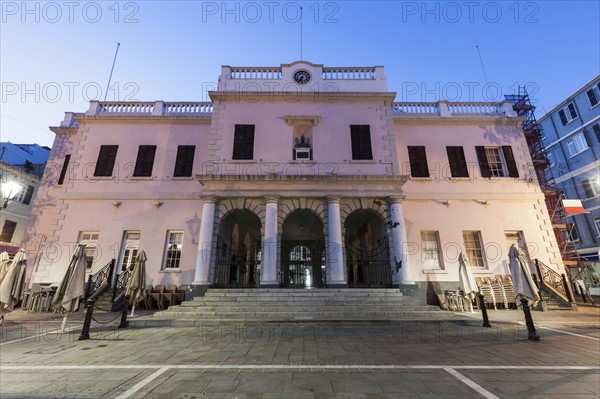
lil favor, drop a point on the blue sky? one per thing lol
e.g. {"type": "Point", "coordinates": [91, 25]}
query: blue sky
{"type": "Point", "coordinates": [55, 56]}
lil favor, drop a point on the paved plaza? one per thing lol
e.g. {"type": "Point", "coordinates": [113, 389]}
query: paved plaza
{"type": "Point", "coordinates": [448, 358]}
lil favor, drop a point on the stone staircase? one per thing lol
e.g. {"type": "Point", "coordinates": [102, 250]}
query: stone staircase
{"type": "Point", "coordinates": [554, 302]}
{"type": "Point", "coordinates": [287, 305]}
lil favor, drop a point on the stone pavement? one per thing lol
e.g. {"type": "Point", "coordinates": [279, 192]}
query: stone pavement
{"type": "Point", "coordinates": [449, 358]}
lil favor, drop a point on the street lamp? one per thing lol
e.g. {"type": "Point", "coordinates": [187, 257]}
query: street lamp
{"type": "Point", "coordinates": [9, 192]}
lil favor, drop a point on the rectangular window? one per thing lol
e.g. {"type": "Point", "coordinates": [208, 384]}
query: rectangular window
{"type": "Point", "coordinates": [431, 250]}
{"type": "Point", "coordinates": [567, 114]}
{"type": "Point", "coordinates": [592, 97]}
{"type": "Point", "coordinates": [64, 169]}
{"type": "Point", "coordinates": [577, 144]}
{"type": "Point", "coordinates": [106, 160]}
{"type": "Point", "coordinates": [173, 249]}
{"type": "Point", "coordinates": [418, 161]}
{"type": "Point", "coordinates": [185, 161]}
{"type": "Point", "coordinates": [243, 142]}
{"type": "Point", "coordinates": [572, 234]}
{"type": "Point", "coordinates": [360, 137]}
{"type": "Point", "coordinates": [8, 230]}
{"type": "Point", "coordinates": [473, 248]}
{"type": "Point", "coordinates": [145, 161]}
{"type": "Point", "coordinates": [458, 163]}
{"type": "Point", "coordinates": [90, 239]}
{"type": "Point", "coordinates": [497, 161]}
{"type": "Point", "coordinates": [591, 188]}
{"type": "Point", "coordinates": [25, 195]}
{"type": "Point", "coordinates": [596, 128]}
{"type": "Point", "coordinates": [597, 224]}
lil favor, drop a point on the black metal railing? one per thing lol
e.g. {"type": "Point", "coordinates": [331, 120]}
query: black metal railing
{"type": "Point", "coordinates": [120, 285]}
{"type": "Point", "coordinates": [303, 263]}
{"type": "Point", "coordinates": [369, 268]}
{"type": "Point", "coordinates": [237, 268]}
{"type": "Point", "coordinates": [100, 281]}
{"type": "Point", "coordinates": [552, 280]}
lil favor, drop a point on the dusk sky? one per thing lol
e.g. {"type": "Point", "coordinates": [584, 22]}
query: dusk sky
{"type": "Point", "coordinates": [56, 56]}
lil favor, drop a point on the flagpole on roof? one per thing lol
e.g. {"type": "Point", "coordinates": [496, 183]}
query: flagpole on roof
{"type": "Point", "coordinates": [300, 33]}
{"type": "Point", "coordinates": [111, 71]}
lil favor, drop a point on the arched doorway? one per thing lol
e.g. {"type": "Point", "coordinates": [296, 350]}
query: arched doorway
{"type": "Point", "coordinates": [367, 251]}
{"type": "Point", "coordinates": [238, 251]}
{"type": "Point", "coordinates": [302, 251]}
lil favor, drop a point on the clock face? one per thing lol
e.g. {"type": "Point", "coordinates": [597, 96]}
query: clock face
{"type": "Point", "coordinates": [301, 77]}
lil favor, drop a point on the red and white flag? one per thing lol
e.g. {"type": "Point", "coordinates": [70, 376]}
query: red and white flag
{"type": "Point", "coordinates": [573, 207]}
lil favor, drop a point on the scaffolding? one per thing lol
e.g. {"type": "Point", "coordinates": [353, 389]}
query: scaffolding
{"type": "Point", "coordinates": [574, 266]}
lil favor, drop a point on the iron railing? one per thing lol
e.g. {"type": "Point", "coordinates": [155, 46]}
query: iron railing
{"type": "Point", "coordinates": [120, 285]}
{"type": "Point", "coordinates": [237, 268]}
{"type": "Point", "coordinates": [369, 268]}
{"type": "Point", "coordinates": [303, 263]}
{"type": "Point", "coordinates": [100, 281]}
{"type": "Point", "coordinates": [553, 280]}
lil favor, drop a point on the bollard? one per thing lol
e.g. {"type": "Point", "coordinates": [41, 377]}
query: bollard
{"type": "Point", "coordinates": [531, 333]}
{"type": "Point", "coordinates": [85, 332]}
{"type": "Point", "coordinates": [486, 321]}
{"type": "Point", "coordinates": [124, 323]}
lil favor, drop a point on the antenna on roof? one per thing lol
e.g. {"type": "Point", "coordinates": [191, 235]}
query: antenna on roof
{"type": "Point", "coordinates": [111, 71]}
{"type": "Point", "coordinates": [485, 75]}
{"type": "Point", "coordinates": [300, 33]}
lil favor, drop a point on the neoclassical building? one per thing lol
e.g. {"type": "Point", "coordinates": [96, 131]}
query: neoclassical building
{"type": "Point", "coordinates": [299, 176]}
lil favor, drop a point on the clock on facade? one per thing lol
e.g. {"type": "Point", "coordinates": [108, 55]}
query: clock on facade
{"type": "Point", "coordinates": [301, 77]}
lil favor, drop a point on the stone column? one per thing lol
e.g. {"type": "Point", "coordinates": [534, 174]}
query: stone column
{"type": "Point", "coordinates": [336, 278]}
{"type": "Point", "coordinates": [268, 275]}
{"type": "Point", "coordinates": [400, 242]}
{"type": "Point", "coordinates": [203, 258]}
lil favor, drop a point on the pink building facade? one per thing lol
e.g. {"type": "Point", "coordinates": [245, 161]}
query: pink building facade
{"type": "Point", "coordinates": [292, 176]}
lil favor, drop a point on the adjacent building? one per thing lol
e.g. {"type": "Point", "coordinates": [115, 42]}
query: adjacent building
{"type": "Point", "coordinates": [572, 142]}
{"type": "Point", "coordinates": [293, 176]}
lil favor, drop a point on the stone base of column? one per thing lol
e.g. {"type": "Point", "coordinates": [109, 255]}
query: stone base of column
{"type": "Point", "coordinates": [409, 289]}
{"type": "Point", "coordinates": [269, 285]}
{"type": "Point", "coordinates": [195, 290]}
{"type": "Point", "coordinates": [337, 285]}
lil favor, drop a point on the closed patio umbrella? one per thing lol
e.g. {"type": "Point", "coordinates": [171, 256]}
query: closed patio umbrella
{"type": "Point", "coordinates": [4, 261]}
{"type": "Point", "coordinates": [10, 287]}
{"type": "Point", "coordinates": [525, 289]}
{"type": "Point", "coordinates": [137, 281]}
{"type": "Point", "coordinates": [467, 281]}
{"type": "Point", "coordinates": [72, 286]}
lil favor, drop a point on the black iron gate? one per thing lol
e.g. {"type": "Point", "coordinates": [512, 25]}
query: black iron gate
{"type": "Point", "coordinates": [369, 268]}
{"type": "Point", "coordinates": [237, 268]}
{"type": "Point", "coordinates": [302, 264]}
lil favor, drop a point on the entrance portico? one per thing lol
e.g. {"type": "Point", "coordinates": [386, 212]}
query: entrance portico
{"type": "Point", "coordinates": [302, 222]}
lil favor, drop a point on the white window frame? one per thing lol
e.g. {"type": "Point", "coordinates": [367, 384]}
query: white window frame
{"type": "Point", "coordinates": [594, 187]}
{"type": "Point", "coordinates": [576, 144]}
{"type": "Point", "coordinates": [596, 92]}
{"type": "Point", "coordinates": [597, 224]}
{"type": "Point", "coordinates": [90, 239]}
{"type": "Point", "coordinates": [496, 161]}
{"type": "Point", "coordinates": [172, 240]}
{"type": "Point", "coordinates": [568, 115]}
{"type": "Point", "coordinates": [570, 230]}
{"type": "Point", "coordinates": [430, 250]}
{"type": "Point", "coordinates": [469, 248]}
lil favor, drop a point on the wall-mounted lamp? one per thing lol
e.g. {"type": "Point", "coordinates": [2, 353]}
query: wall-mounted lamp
{"type": "Point", "coordinates": [117, 204]}
{"type": "Point", "coordinates": [447, 203]}
{"type": "Point", "coordinates": [484, 203]}
{"type": "Point", "coordinates": [9, 191]}
{"type": "Point", "coordinates": [158, 204]}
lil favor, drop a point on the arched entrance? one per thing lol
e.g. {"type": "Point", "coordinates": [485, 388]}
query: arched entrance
{"type": "Point", "coordinates": [302, 251]}
{"type": "Point", "coordinates": [367, 251]}
{"type": "Point", "coordinates": [238, 251]}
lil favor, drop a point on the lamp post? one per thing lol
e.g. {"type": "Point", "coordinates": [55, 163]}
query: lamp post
{"type": "Point", "coordinates": [9, 191]}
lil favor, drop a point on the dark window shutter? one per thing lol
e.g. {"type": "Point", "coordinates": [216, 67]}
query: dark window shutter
{"type": "Point", "coordinates": [563, 117]}
{"type": "Point", "coordinates": [64, 169]}
{"type": "Point", "coordinates": [592, 96]}
{"type": "Point", "coordinates": [418, 161]}
{"type": "Point", "coordinates": [360, 137]}
{"type": "Point", "coordinates": [145, 161]}
{"type": "Point", "coordinates": [8, 229]}
{"type": "Point", "coordinates": [483, 162]}
{"type": "Point", "coordinates": [596, 128]}
{"type": "Point", "coordinates": [572, 111]}
{"type": "Point", "coordinates": [511, 165]}
{"type": "Point", "coordinates": [458, 163]}
{"type": "Point", "coordinates": [106, 160]}
{"type": "Point", "coordinates": [28, 195]}
{"type": "Point", "coordinates": [243, 142]}
{"type": "Point", "coordinates": [185, 160]}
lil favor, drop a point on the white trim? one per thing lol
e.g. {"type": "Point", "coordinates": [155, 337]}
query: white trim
{"type": "Point", "coordinates": [577, 172]}
{"type": "Point", "coordinates": [572, 132]}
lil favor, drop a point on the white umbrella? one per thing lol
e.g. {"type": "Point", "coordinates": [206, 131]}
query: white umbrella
{"type": "Point", "coordinates": [137, 281]}
{"type": "Point", "coordinates": [10, 287]}
{"type": "Point", "coordinates": [523, 284]}
{"type": "Point", "coordinates": [71, 288]}
{"type": "Point", "coordinates": [4, 261]}
{"type": "Point", "coordinates": [467, 281]}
